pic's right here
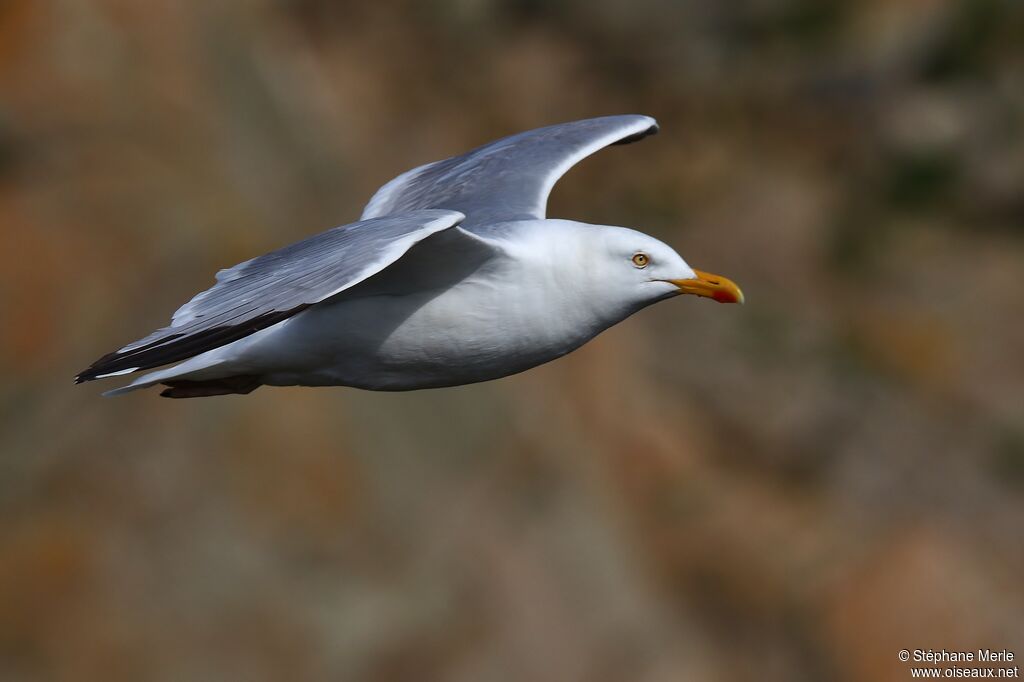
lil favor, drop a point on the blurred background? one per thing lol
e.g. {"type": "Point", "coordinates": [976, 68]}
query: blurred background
{"type": "Point", "coordinates": [795, 489]}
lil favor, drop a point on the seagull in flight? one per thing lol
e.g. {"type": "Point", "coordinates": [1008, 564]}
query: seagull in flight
{"type": "Point", "coordinates": [452, 275]}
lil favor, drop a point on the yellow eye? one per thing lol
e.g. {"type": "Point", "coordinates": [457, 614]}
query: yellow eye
{"type": "Point", "coordinates": [641, 260]}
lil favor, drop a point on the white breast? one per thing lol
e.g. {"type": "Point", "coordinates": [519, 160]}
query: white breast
{"type": "Point", "coordinates": [503, 319]}
{"type": "Point", "coordinates": [534, 302]}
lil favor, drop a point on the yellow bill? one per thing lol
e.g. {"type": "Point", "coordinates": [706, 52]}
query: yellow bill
{"type": "Point", "coordinates": [721, 289]}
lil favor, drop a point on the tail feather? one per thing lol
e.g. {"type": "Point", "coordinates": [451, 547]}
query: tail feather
{"type": "Point", "coordinates": [173, 347]}
{"type": "Point", "coordinates": [213, 366]}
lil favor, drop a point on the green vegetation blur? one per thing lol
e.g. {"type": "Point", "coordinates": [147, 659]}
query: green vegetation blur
{"type": "Point", "coordinates": [791, 490]}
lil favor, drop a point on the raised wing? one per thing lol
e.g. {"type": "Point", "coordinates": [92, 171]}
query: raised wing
{"type": "Point", "coordinates": [509, 179]}
{"type": "Point", "coordinates": [263, 291]}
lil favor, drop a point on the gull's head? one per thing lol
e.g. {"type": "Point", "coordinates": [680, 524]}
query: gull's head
{"type": "Point", "coordinates": [635, 269]}
{"type": "Point", "coordinates": [588, 277]}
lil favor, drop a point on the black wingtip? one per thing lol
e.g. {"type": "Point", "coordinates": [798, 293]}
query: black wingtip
{"type": "Point", "coordinates": [101, 366]}
{"type": "Point", "coordinates": [647, 132]}
{"type": "Point", "coordinates": [87, 374]}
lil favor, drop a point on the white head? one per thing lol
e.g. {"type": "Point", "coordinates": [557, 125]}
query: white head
{"type": "Point", "coordinates": [616, 271]}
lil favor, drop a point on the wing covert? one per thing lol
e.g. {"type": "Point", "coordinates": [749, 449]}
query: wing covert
{"type": "Point", "coordinates": [265, 290]}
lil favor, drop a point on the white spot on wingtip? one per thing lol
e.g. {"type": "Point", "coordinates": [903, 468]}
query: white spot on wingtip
{"type": "Point", "coordinates": [116, 374]}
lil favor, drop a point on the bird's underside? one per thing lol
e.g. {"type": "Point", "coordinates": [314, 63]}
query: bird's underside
{"type": "Point", "coordinates": [462, 197]}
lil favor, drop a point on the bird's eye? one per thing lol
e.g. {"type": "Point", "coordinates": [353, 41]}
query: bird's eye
{"type": "Point", "coordinates": [641, 260]}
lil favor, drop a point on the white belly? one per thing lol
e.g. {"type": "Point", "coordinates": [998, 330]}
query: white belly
{"type": "Point", "coordinates": [472, 332]}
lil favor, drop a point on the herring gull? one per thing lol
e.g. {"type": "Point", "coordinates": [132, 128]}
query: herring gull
{"type": "Point", "coordinates": [452, 275]}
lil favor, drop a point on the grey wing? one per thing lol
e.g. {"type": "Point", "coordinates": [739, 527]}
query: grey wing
{"type": "Point", "coordinates": [263, 291]}
{"type": "Point", "coordinates": [509, 179]}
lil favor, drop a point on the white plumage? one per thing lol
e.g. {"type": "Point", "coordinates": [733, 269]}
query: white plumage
{"type": "Point", "coordinates": [453, 276]}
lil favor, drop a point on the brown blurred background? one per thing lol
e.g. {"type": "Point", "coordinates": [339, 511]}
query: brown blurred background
{"type": "Point", "coordinates": [791, 490]}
